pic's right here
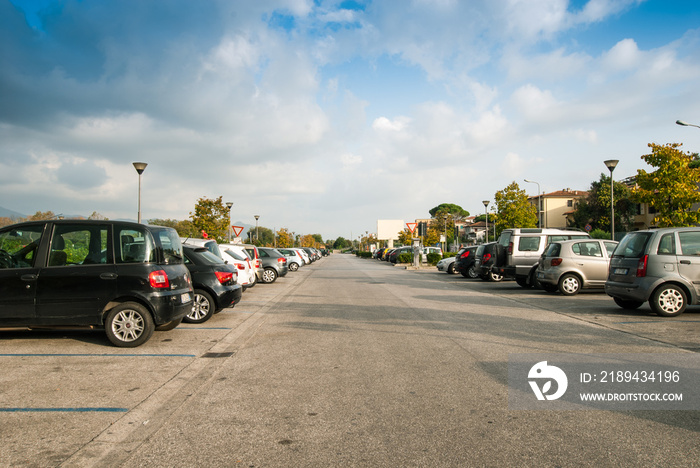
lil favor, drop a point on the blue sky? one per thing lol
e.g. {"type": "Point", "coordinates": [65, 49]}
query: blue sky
{"type": "Point", "coordinates": [324, 116]}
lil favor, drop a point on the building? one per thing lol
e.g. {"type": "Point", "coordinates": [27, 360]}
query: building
{"type": "Point", "coordinates": [557, 208]}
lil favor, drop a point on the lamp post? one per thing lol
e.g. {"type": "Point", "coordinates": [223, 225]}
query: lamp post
{"type": "Point", "coordinates": [539, 206]}
{"type": "Point", "coordinates": [257, 233]}
{"type": "Point", "coordinates": [229, 205]}
{"type": "Point", "coordinates": [140, 167]}
{"type": "Point", "coordinates": [686, 124]}
{"type": "Point", "coordinates": [611, 164]}
{"type": "Point", "coordinates": [486, 209]}
{"type": "Point", "coordinates": [444, 218]}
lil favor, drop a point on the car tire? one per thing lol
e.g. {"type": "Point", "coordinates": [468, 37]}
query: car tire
{"type": "Point", "coordinates": [203, 307]}
{"type": "Point", "coordinates": [549, 288]}
{"type": "Point", "coordinates": [169, 326]}
{"type": "Point", "coordinates": [471, 272]}
{"type": "Point", "coordinates": [569, 284]}
{"type": "Point", "coordinates": [628, 304]}
{"type": "Point", "coordinates": [451, 269]}
{"type": "Point", "coordinates": [129, 325]}
{"type": "Point", "coordinates": [668, 301]}
{"type": "Point", "coordinates": [269, 275]}
{"type": "Point", "coordinates": [523, 282]}
{"type": "Point", "coordinates": [293, 266]}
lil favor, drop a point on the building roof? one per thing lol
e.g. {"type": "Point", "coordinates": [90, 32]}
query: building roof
{"type": "Point", "coordinates": [566, 193]}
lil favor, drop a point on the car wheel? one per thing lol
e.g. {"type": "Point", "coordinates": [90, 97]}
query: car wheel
{"type": "Point", "coordinates": [293, 267]}
{"type": "Point", "coordinates": [569, 284]}
{"type": "Point", "coordinates": [471, 272]}
{"type": "Point", "coordinates": [269, 276]}
{"type": "Point", "coordinates": [203, 308]}
{"type": "Point", "coordinates": [668, 301]}
{"type": "Point", "coordinates": [522, 282]}
{"type": "Point", "coordinates": [627, 304]}
{"type": "Point", "coordinates": [129, 325]}
{"type": "Point", "coordinates": [495, 277]}
{"type": "Point", "coordinates": [550, 288]}
{"type": "Point", "coordinates": [451, 268]}
{"type": "Point", "coordinates": [169, 326]}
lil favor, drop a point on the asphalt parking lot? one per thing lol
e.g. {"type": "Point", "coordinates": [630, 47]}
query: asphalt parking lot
{"type": "Point", "coordinates": [347, 362]}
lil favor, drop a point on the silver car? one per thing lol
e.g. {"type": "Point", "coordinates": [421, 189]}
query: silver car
{"type": "Point", "coordinates": [569, 266]}
{"type": "Point", "coordinates": [447, 264]}
{"type": "Point", "coordinates": [661, 266]}
{"type": "Point", "coordinates": [294, 260]}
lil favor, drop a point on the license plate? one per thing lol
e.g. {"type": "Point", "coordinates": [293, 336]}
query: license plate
{"type": "Point", "coordinates": [185, 298]}
{"type": "Point", "coordinates": [540, 274]}
{"type": "Point", "coordinates": [620, 271]}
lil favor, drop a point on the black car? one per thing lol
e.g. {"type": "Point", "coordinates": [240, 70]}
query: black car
{"type": "Point", "coordinates": [214, 283]}
{"type": "Point", "coordinates": [274, 263]}
{"type": "Point", "coordinates": [127, 278]}
{"type": "Point", "coordinates": [464, 262]}
{"type": "Point", "coordinates": [486, 261]}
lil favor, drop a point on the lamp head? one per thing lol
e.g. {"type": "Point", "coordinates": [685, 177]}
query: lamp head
{"type": "Point", "coordinates": [611, 164]}
{"type": "Point", "coordinates": [486, 203]}
{"type": "Point", "coordinates": [229, 205]}
{"type": "Point", "coordinates": [140, 167]}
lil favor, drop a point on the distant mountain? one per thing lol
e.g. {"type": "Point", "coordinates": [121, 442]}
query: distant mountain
{"type": "Point", "coordinates": [5, 213]}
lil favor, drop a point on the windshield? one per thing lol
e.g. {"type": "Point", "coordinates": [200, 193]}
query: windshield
{"type": "Point", "coordinates": [633, 245]}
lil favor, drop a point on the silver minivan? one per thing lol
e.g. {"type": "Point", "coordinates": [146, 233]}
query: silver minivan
{"type": "Point", "coordinates": [661, 266]}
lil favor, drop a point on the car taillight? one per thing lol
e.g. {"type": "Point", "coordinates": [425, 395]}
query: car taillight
{"type": "Point", "coordinates": [240, 266]}
{"type": "Point", "coordinates": [224, 276]}
{"type": "Point", "coordinates": [642, 266]}
{"type": "Point", "coordinates": [510, 248]}
{"type": "Point", "coordinates": [465, 254]}
{"type": "Point", "coordinates": [258, 263]}
{"type": "Point", "coordinates": [282, 261]}
{"type": "Point", "coordinates": [485, 258]}
{"type": "Point", "coordinates": [555, 262]}
{"type": "Point", "coordinates": [159, 279]}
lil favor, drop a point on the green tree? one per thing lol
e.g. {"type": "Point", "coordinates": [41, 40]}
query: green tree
{"type": "Point", "coordinates": [595, 208]}
{"type": "Point", "coordinates": [41, 216]}
{"type": "Point", "coordinates": [444, 216]}
{"type": "Point", "coordinates": [97, 216]}
{"type": "Point", "coordinates": [672, 188]}
{"type": "Point", "coordinates": [211, 217]}
{"type": "Point", "coordinates": [513, 209]}
{"type": "Point", "coordinates": [457, 212]}
{"type": "Point", "coordinates": [341, 243]}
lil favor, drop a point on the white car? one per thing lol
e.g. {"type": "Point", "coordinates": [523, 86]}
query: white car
{"type": "Point", "coordinates": [447, 264]}
{"type": "Point", "coordinates": [237, 255]}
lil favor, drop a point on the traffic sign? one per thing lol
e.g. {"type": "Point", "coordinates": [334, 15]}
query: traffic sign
{"type": "Point", "coordinates": [237, 230]}
{"type": "Point", "coordinates": [588, 228]}
{"type": "Point", "coordinates": [411, 226]}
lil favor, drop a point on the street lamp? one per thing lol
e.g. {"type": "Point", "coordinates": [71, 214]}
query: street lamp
{"type": "Point", "coordinates": [229, 205]}
{"type": "Point", "coordinates": [486, 205]}
{"type": "Point", "coordinates": [257, 233]}
{"type": "Point", "coordinates": [611, 164]}
{"type": "Point", "coordinates": [686, 124]}
{"type": "Point", "coordinates": [444, 217]}
{"type": "Point", "coordinates": [539, 207]}
{"type": "Point", "coordinates": [140, 167]}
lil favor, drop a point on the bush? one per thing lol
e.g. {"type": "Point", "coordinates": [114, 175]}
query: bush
{"type": "Point", "coordinates": [448, 254]}
{"type": "Point", "coordinates": [600, 234]}
{"type": "Point", "coordinates": [405, 257]}
{"type": "Point", "coordinates": [433, 258]}
{"type": "Point", "coordinates": [364, 254]}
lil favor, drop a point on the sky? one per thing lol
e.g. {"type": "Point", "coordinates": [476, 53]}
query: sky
{"type": "Point", "coordinates": [324, 116]}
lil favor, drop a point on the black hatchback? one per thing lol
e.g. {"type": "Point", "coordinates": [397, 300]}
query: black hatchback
{"type": "Point", "coordinates": [127, 278]}
{"type": "Point", "coordinates": [214, 283]}
{"type": "Point", "coordinates": [464, 263]}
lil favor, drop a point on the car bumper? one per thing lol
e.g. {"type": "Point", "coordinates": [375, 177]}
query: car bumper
{"type": "Point", "coordinates": [627, 291]}
{"type": "Point", "coordinates": [172, 306]}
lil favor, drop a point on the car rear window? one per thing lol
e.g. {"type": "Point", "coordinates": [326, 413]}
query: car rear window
{"type": "Point", "coordinates": [553, 250]}
{"type": "Point", "coordinates": [170, 244]}
{"type": "Point", "coordinates": [235, 255]}
{"type": "Point", "coordinates": [690, 242]}
{"type": "Point", "coordinates": [633, 245]}
{"type": "Point", "coordinates": [529, 244]}
{"type": "Point", "coordinates": [135, 246]}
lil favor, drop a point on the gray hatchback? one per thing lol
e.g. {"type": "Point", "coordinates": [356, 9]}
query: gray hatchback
{"type": "Point", "coordinates": [661, 266]}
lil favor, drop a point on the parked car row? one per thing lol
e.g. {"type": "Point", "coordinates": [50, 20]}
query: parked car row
{"type": "Point", "coordinates": [126, 278]}
{"type": "Point", "coordinates": [658, 266]}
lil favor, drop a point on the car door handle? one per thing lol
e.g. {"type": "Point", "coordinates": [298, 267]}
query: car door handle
{"type": "Point", "coordinates": [29, 277]}
{"type": "Point", "coordinates": [108, 276]}
{"type": "Point", "coordinates": [685, 262]}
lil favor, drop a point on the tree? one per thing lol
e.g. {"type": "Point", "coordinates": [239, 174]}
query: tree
{"type": "Point", "coordinates": [595, 208]}
{"type": "Point", "coordinates": [210, 218]}
{"type": "Point", "coordinates": [456, 211]}
{"type": "Point", "coordinates": [672, 188]}
{"type": "Point", "coordinates": [284, 238]}
{"type": "Point", "coordinates": [513, 209]}
{"type": "Point", "coordinates": [41, 216]}
{"type": "Point", "coordinates": [97, 216]}
{"type": "Point", "coordinates": [341, 243]}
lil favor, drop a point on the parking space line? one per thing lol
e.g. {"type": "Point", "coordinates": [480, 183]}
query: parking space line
{"type": "Point", "coordinates": [661, 321]}
{"type": "Point", "coordinates": [91, 355]}
{"type": "Point", "coordinates": [64, 410]}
